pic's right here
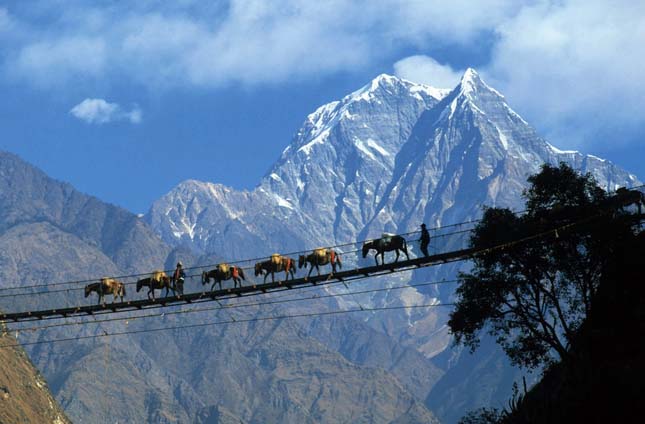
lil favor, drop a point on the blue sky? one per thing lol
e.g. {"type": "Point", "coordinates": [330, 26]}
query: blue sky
{"type": "Point", "coordinates": [125, 99]}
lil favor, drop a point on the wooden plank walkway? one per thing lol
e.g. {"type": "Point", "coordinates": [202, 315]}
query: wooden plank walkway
{"type": "Point", "coordinates": [247, 290]}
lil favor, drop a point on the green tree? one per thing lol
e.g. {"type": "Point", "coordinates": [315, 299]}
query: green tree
{"type": "Point", "coordinates": [532, 296]}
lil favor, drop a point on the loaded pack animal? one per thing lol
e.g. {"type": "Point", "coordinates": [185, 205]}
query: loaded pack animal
{"type": "Point", "coordinates": [223, 272]}
{"type": "Point", "coordinates": [387, 243]}
{"type": "Point", "coordinates": [320, 257]}
{"type": "Point", "coordinates": [106, 286]}
{"type": "Point", "coordinates": [158, 280]}
{"type": "Point", "coordinates": [625, 197]}
{"type": "Point", "coordinates": [277, 263]}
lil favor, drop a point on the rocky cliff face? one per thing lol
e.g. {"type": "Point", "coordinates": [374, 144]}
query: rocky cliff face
{"type": "Point", "coordinates": [384, 158]}
{"type": "Point", "coordinates": [344, 150]}
{"type": "Point", "coordinates": [24, 395]}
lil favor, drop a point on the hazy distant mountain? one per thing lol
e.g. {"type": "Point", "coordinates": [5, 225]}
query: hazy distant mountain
{"type": "Point", "coordinates": [27, 196]}
{"type": "Point", "coordinates": [252, 372]}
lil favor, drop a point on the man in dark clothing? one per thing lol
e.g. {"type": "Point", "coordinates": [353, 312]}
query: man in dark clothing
{"type": "Point", "coordinates": [425, 240]}
{"type": "Point", "coordinates": [178, 278]}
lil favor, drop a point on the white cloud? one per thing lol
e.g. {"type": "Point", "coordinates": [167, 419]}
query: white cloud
{"type": "Point", "coordinates": [99, 111]}
{"type": "Point", "coordinates": [5, 20]}
{"type": "Point", "coordinates": [426, 70]}
{"type": "Point", "coordinates": [65, 59]}
{"type": "Point", "coordinates": [248, 42]}
{"type": "Point", "coordinates": [574, 67]}
{"type": "Point", "coordinates": [561, 63]}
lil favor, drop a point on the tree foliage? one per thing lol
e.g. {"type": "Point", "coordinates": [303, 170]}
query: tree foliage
{"type": "Point", "coordinates": [482, 416]}
{"type": "Point", "coordinates": [533, 295]}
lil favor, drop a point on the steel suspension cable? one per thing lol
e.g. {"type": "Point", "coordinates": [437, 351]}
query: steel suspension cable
{"type": "Point", "coordinates": [234, 306]}
{"type": "Point", "coordinates": [238, 321]}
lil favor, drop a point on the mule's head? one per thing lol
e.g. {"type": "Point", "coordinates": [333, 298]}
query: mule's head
{"type": "Point", "coordinates": [302, 261]}
{"type": "Point", "coordinates": [88, 290]}
{"type": "Point", "coordinates": [139, 285]}
{"type": "Point", "coordinates": [204, 278]}
{"type": "Point", "coordinates": [258, 269]}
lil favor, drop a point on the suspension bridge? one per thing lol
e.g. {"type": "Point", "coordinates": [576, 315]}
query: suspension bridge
{"type": "Point", "coordinates": [248, 290]}
{"type": "Point", "coordinates": [345, 276]}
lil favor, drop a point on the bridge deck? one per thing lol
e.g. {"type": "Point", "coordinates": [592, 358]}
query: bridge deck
{"type": "Point", "coordinates": [247, 290]}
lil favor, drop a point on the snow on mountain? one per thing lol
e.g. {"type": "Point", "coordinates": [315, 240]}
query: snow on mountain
{"type": "Point", "coordinates": [216, 219]}
{"type": "Point", "coordinates": [471, 150]}
{"type": "Point", "coordinates": [336, 164]}
{"type": "Point", "coordinates": [386, 157]}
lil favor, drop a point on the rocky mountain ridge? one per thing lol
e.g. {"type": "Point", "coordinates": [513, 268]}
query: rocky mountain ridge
{"type": "Point", "coordinates": [383, 158]}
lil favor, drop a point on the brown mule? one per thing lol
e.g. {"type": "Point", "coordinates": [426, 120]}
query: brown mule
{"type": "Point", "coordinates": [106, 286]}
{"type": "Point", "coordinates": [223, 272]}
{"type": "Point", "coordinates": [320, 257]}
{"type": "Point", "coordinates": [157, 281]}
{"type": "Point", "coordinates": [277, 263]}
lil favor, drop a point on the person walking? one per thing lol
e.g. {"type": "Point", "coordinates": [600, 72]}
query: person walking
{"type": "Point", "coordinates": [424, 240]}
{"type": "Point", "coordinates": [178, 278]}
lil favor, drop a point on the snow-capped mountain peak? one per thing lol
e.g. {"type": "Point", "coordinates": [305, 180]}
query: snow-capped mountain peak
{"type": "Point", "coordinates": [471, 83]}
{"type": "Point", "coordinates": [472, 90]}
{"type": "Point", "coordinates": [470, 80]}
{"type": "Point", "coordinates": [381, 92]}
{"type": "Point", "coordinates": [383, 158]}
{"type": "Point", "coordinates": [385, 84]}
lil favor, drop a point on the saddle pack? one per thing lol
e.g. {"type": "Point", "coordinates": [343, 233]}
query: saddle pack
{"type": "Point", "coordinates": [157, 275]}
{"type": "Point", "coordinates": [320, 254]}
{"type": "Point", "coordinates": [223, 268]}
